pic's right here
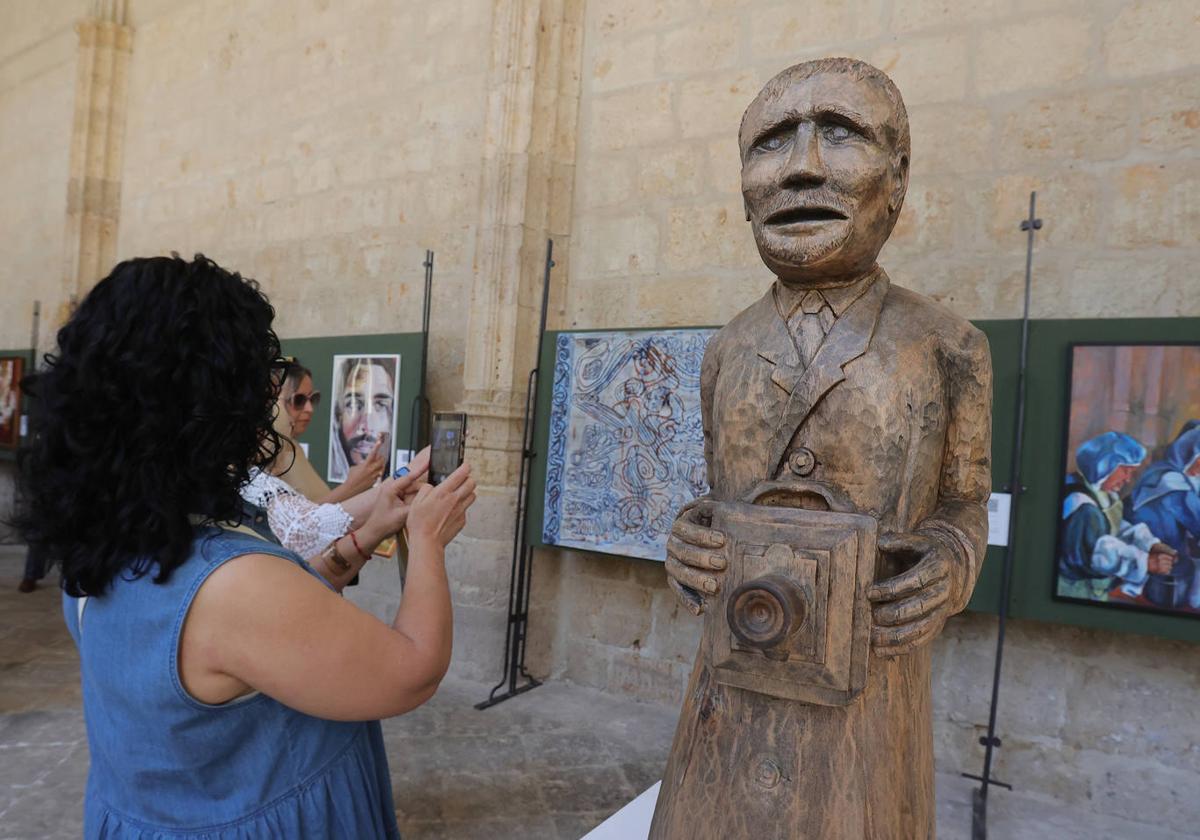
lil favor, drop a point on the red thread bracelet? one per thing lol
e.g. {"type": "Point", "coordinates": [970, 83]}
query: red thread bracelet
{"type": "Point", "coordinates": [358, 548]}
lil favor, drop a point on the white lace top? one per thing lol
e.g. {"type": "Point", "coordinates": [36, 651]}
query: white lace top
{"type": "Point", "coordinates": [304, 527]}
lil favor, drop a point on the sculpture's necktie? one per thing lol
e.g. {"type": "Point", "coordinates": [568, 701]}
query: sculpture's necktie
{"type": "Point", "coordinates": [810, 323]}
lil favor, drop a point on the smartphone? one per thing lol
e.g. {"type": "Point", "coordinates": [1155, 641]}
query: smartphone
{"type": "Point", "coordinates": [449, 442]}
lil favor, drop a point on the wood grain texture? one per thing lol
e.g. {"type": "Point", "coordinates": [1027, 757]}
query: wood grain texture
{"type": "Point", "coordinates": [808, 713]}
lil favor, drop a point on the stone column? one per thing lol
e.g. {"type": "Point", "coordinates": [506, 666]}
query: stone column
{"type": "Point", "coordinates": [525, 197]}
{"type": "Point", "coordinates": [97, 140]}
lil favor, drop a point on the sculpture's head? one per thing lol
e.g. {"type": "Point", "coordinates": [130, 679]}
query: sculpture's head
{"type": "Point", "coordinates": [825, 151]}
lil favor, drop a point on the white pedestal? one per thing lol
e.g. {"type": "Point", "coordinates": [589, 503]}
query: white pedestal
{"type": "Point", "coordinates": [630, 823]}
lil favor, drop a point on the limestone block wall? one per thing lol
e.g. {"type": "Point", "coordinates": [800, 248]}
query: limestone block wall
{"type": "Point", "coordinates": [1094, 105]}
{"type": "Point", "coordinates": [37, 75]}
{"type": "Point", "coordinates": [318, 147]}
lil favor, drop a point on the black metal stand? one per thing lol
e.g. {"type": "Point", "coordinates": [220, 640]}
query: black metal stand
{"type": "Point", "coordinates": [990, 742]}
{"type": "Point", "coordinates": [421, 416]}
{"type": "Point", "coordinates": [418, 434]}
{"type": "Point", "coordinates": [34, 335]}
{"type": "Point", "coordinates": [26, 420]}
{"type": "Point", "coordinates": [522, 561]}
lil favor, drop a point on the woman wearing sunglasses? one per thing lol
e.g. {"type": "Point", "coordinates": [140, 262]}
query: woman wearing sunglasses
{"type": "Point", "coordinates": [228, 691]}
{"type": "Point", "coordinates": [297, 402]}
{"type": "Point", "coordinates": [298, 397]}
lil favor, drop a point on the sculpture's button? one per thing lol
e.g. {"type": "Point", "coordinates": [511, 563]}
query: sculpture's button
{"type": "Point", "coordinates": [802, 462]}
{"type": "Point", "coordinates": [767, 773]}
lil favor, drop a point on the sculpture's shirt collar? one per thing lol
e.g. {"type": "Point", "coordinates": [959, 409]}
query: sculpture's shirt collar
{"type": "Point", "coordinates": [788, 299]}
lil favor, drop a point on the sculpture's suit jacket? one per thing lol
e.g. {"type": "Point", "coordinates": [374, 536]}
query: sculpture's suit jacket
{"type": "Point", "coordinates": [894, 411]}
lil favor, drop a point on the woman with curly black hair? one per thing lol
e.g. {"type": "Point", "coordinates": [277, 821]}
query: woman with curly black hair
{"type": "Point", "coordinates": [228, 691]}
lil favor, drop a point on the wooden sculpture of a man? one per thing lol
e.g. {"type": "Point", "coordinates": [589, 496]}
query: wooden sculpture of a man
{"type": "Point", "coordinates": [847, 427]}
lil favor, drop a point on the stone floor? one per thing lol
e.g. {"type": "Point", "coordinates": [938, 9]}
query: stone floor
{"type": "Point", "coordinates": [547, 765]}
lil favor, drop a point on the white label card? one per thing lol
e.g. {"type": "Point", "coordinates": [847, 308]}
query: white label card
{"type": "Point", "coordinates": [999, 507]}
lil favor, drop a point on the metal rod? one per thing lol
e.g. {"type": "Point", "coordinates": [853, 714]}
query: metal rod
{"type": "Point", "coordinates": [521, 577]}
{"type": "Point", "coordinates": [545, 308]}
{"type": "Point", "coordinates": [428, 264]}
{"type": "Point", "coordinates": [418, 431]}
{"type": "Point", "coordinates": [419, 416]}
{"type": "Point", "coordinates": [990, 741]}
{"type": "Point", "coordinates": [34, 335]}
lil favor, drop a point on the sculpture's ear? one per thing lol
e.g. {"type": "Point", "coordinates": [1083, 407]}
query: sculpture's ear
{"type": "Point", "coordinates": [899, 183]}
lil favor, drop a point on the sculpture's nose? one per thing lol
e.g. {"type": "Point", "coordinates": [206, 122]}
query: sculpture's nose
{"type": "Point", "coordinates": [805, 167]}
{"type": "Point", "coordinates": [765, 612]}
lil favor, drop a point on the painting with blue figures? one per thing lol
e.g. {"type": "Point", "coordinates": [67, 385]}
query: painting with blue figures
{"type": "Point", "coordinates": [626, 443]}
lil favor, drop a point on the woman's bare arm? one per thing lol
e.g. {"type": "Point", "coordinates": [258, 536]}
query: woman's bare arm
{"type": "Point", "coordinates": [261, 622]}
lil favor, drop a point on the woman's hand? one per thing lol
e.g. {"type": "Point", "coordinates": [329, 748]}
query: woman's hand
{"type": "Point", "coordinates": [392, 507]}
{"type": "Point", "coordinates": [418, 468]}
{"type": "Point", "coordinates": [362, 476]}
{"type": "Point", "coordinates": [438, 513]}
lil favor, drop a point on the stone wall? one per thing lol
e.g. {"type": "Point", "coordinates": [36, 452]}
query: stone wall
{"type": "Point", "coordinates": [1094, 105]}
{"type": "Point", "coordinates": [37, 86]}
{"type": "Point", "coordinates": [1101, 721]}
{"type": "Point", "coordinates": [318, 147]}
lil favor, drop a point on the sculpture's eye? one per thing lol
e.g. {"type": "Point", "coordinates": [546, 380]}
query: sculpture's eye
{"type": "Point", "coordinates": [772, 142]}
{"type": "Point", "coordinates": [838, 133]}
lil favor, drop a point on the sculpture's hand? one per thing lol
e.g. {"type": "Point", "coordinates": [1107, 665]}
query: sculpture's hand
{"type": "Point", "coordinates": [911, 607]}
{"type": "Point", "coordinates": [695, 556]}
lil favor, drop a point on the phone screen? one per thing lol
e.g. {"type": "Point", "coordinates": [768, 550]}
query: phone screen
{"type": "Point", "coordinates": [449, 438]}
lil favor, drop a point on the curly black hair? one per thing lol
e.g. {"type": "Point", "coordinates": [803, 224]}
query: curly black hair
{"type": "Point", "coordinates": [157, 404]}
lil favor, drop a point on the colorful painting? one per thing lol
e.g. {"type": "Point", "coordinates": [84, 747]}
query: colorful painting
{"type": "Point", "coordinates": [1129, 518]}
{"type": "Point", "coordinates": [626, 444]}
{"type": "Point", "coordinates": [362, 414]}
{"type": "Point", "coordinates": [11, 370]}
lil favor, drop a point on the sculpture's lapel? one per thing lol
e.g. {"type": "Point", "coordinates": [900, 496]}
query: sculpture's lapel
{"type": "Point", "coordinates": [847, 340]}
{"type": "Point", "coordinates": [778, 349]}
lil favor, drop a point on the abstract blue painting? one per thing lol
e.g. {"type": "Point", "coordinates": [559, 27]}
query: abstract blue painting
{"type": "Point", "coordinates": [626, 444]}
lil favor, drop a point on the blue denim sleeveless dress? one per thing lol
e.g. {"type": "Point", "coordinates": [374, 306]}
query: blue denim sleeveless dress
{"type": "Point", "coordinates": [164, 765]}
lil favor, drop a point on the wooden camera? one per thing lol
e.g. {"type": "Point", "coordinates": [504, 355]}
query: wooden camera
{"type": "Point", "coordinates": [793, 620]}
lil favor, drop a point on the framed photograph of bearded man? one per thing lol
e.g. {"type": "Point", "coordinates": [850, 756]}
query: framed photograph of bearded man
{"type": "Point", "coordinates": [11, 368]}
{"type": "Point", "coordinates": [362, 413]}
{"type": "Point", "coordinates": [1129, 518]}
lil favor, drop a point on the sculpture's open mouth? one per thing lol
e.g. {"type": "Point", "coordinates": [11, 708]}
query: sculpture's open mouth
{"type": "Point", "coordinates": [805, 215]}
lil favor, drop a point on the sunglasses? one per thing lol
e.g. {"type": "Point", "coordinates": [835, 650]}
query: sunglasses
{"type": "Point", "coordinates": [299, 401]}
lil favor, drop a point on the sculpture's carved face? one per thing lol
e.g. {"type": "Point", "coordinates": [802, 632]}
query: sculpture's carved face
{"type": "Point", "coordinates": [821, 178]}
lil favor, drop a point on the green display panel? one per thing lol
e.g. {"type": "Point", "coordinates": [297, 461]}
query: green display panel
{"type": "Point", "coordinates": [1038, 507]}
{"type": "Point", "coordinates": [1045, 420]}
{"type": "Point", "coordinates": [317, 354]}
{"type": "Point", "coordinates": [11, 454]}
{"type": "Point", "coordinates": [1004, 338]}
